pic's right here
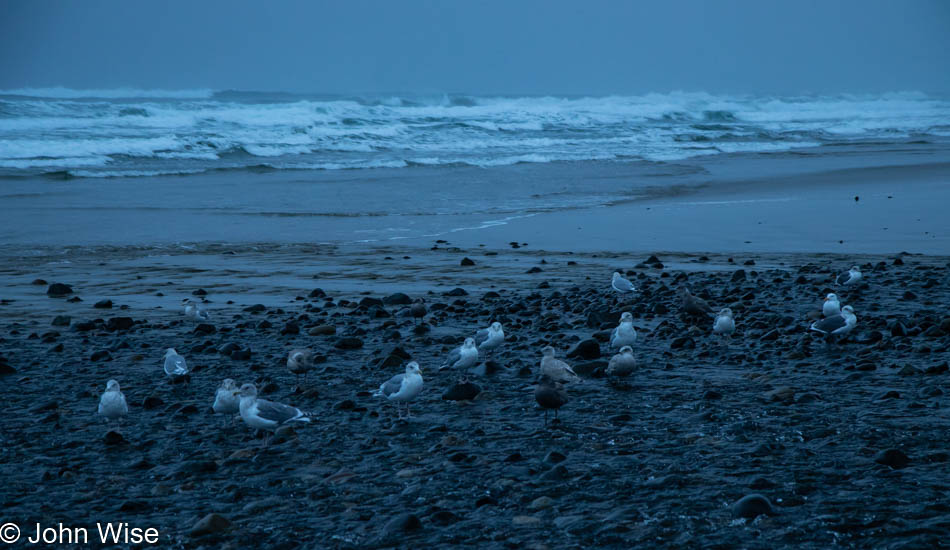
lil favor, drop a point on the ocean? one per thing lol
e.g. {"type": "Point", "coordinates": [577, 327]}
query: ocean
{"type": "Point", "coordinates": [142, 133]}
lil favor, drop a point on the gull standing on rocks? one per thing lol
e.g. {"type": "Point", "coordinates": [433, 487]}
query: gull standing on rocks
{"type": "Point", "coordinates": [300, 361]}
{"type": "Point", "coordinates": [850, 277]}
{"type": "Point", "coordinates": [226, 401]}
{"type": "Point", "coordinates": [832, 306]}
{"type": "Point", "coordinates": [621, 285]}
{"type": "Point", "coordinates": [836, 326]}
{"type": "Point", "coordinates": [402, 388]}
{"type": "Point", "coordinates": [418, 309]}
{"type": "Point", "coordinates": [112, 403]}
{"type": "Point", "coordinates": [550, 394]}
{"type": "Point", "coordinates": [625, 334]}
{"type": "Point", "coordinates": [261, 414]}
{"type": "Point", "coordinates": [195, 310]}
{"type": "Point", "coordinates": [175, 365]}
{"type": "Point", "coordinates": [694, 305]}
{"type": "Point", "coordinates": [490, 338]}
{"type": "Point", "coordinates": [725, 323]}
{"type": "Point", "coordinates": [555, 369]}
{"type": "Point", "coordinates": [462, 358]}
{"type": "Point", "coordinates": [623, 364]}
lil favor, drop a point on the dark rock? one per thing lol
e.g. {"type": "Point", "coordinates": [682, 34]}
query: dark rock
{"type": "Point", "coordinates": [290, 328]}
{"type": "Point", "coordinates": [770, 335]}
{"type": "Point", "coordinates": [322, 330]}
{"type": "Point", "coordinates": [895, 458]}
{"type": "Point", "coordinates": [119, 323]}
{"type": "Point", "coordinates": [205, 328]}
{"type": "Point", "coordinates": [61, 321]}
{"type": "Point", "coordinates": [256, 308]}
{"type": "Point", "coordinates": [369, 302]}
{"type": "Point", "coordinates": [152, 402]}
{"type": "Point", "coordinates": [586, 349]}
{"type": "Point", "coordinates": [317, 293]}
{"type": "Point", "coordinates": [752, 506]}
{"type": "Point", "coordinates": [462, 391]}
{"type": "Point", "coordinates": [59, 289]}
{"type": "Point", "coordinates": [738, 276]}
{"type": "Point", "coordinates": [591, 369]}
{"type": "Point", "coordinates": [200, 292]}
{"type": "Point", "coordinates": [467, 262]}
{"type": "Point", "coordinates": [403, 523]}
{"type": "Point", "coordinates": [457, 292]}
{"type": "Point", "coordinates": [6, 369]}
{"type": "Point", "coordinates": [349, 343]}
{"type": "Point", "coordinates": [113, 438]}
{"type": "Point", "coordinates": [39, 282]}
{"type": "Point", "coordinates": [397, 299]}
{"type": "Point", "coordinates": [683, 342]}
{"type": "Point", "coordinates": [210, 524]}
{"type": "Point", "coordinates": [101, 355]}
{"type": "Point", "coordinates": [103, 304]}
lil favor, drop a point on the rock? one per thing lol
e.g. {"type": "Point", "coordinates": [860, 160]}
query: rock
{"type": "Point", "coordinates": [290, 328]}
{"type": "Point", "coordinates": [59, 289]}
{"type": "Point", "coordinates": [113, 438]}
{"type": "Point", "coordinates": [585, 349]}
{"type": "Point", "coordinates": [683, 342]}
{"type": "Point", "coordinates": [712, 395]}
{"type": "Point", "coordinates": [103, 304]}
{"type": "Point", "coordinates": [39, 282]}
{"type": "Point", "coordinates": [403, 523]}
{"type": "Point", "coordinates": [738, 276]}
{"type": "Point", "coordinates": [322, 330]}
{"type": "Point", "coordinates": [770, 335]}
{"type": "Point", "coordinates": [205, 328]}
{"type": "Point", "coordinates": [61, 321]}
{"type": "Point", "coordinates": [752, 506]}
{"type": "Point", "coordinates": [457, 292]}
{"type": "Point", "coordinates": [84, 326]}
{"type": "Point", "coordinates": [101, 355]}
{"type": "Point", "coordinates": [6, 369]}
{"type": "Point", "coordinates": [783, 394]}
{"type": "Point", "coordinates": [369, 302]}
{"type": "Point", "coordinates": [462, 391]}
{"type": "Point", "coordinates": [349, 342]}
{"type": "Point", "coordinates": [397, 299]}
{"type": "Point", "coordinates": [467, 262]}
{"type": "Point", "coordinates": [526, 521]}
{"type": "Point", "coordinates": [895, 458]}
{"type": "Point", "coordinates": [152, 402]}
{"type": "Point", "coordinates": [317, 293]}
{"type": "Point", "coordinates": [212, 523]}
{"type": "Point", "coordinates": [256, 308]}
{"type": "Point", "coordinates": [541, 503]}
{"type": "Point", "coordinates": [119, 323]}
{"type": "Point", "coordinates": [591, 369]}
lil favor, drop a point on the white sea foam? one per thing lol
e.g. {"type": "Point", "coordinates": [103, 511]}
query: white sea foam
{"type": "Point", "coordinates": [63, 129]}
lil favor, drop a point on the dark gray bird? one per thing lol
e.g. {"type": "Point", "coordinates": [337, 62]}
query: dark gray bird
{"type": "Point", "coordinates": [549, 395]}
{"type": "Point", "coordinates": [418, 309]}
{"type": "Point", "coordinates": [694, 305]}
{"type": "Point", "coordinates": [836, 326]}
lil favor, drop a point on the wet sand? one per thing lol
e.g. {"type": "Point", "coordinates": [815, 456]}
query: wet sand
{"type": "Point", "coordinates": [848, 444]}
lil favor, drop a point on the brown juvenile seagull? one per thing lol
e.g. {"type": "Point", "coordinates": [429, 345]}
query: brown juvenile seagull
{"type": "Point", "coordinates": [418, 309]}
{"type": "Point", "coordinates": [694, 305]}
{"type": "Point", "coordinates": [550, 395]}
{"type": "Point", "coordinates": [300, 361]}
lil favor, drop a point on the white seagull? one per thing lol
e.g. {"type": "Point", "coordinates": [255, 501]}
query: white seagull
{"type": "Point", "coordinates": [226, 401]}
{"type": "Point", "coordinates": [488, 339]}
{"type": "Point", "coordinates": [621, 285]}
{"type": "Point", "coordinates": [623, 364]}
{"type": "Point", "coordinates": [402, 388]}
{"type": "Point", "coordinates": [300, 361]}
{"type": "Point", "coordinates": [463, 357]}
{"type": "Point", "coordinates": [175, 364]}
{"type": "Point", "coordinates": [194, 310]}
{"type": "Point", "coordinates": [112, 403]}
{"type": "Point", "coordinates": [625, 334]}
{"type": "Point", "coordinates": [261, 414]}
{"type": "Point", "coordinates": [832, 306]}
{"type": "Point", "coordinates": [555, 369]}
{"type": "Point", "coordinates": [725, 323]}
{"type": "Point", "coordinates": [836, 326]}
{"type": "Point", "coordinates": [850, 277]}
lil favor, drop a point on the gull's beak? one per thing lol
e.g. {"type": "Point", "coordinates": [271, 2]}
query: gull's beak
{"type": "Point", "coordinates": [236, 392]}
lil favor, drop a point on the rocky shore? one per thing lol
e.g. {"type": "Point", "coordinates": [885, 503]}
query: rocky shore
{"type": "Point", "coordinates": [769, 439]}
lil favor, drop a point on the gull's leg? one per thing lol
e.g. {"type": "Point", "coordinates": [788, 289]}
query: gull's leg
{"type": "Point", "coordinates": [408, 412]}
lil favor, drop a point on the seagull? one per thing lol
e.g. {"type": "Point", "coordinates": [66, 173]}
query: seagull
{"type": "Point", "coordinates": [463, 357]}
{"type": "Point", "coordinates": [694, 305]}
{"type": "Point", "coordinates": [836, 326]}
{"type": "Point", "coordinates": [832, 306]}
{"type": "Point", "coordinates": [418, 309]}
{"type": "Point", "coordinates": [850, 277]}
{"type": "Point", "coordinates": [621, 285]}
{"type": "Point", "coordinates": [261, 414]}
{"type": "Point", "coordinates": [112, 403]}
{"type": "Point", "coordinates": [175, 364]}
{"type": "Point", "coordinates": [300, 361]}
{"type": "Point", "coordinates": [195, 310]}
{"type": "Point", "coordinates": [402, 388]}
{"type": "Point", "coordinates": [725, 323]}
{"type": "Point", "coordinates": [624, 334]}
{"type": "Point", "coordinates": [549, 394]}
{"type": "Point", "coordinates": [225, 399]}
{"type": "Point", "coordinates": [555, 369]}
{"type": "Point", "coordinates": [623, 364]}
{"type": "Point", "coordinates": [490, 338]}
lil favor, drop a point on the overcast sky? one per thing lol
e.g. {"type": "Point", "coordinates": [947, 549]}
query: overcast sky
{"type": "Point", "coordinates": [505, 46]}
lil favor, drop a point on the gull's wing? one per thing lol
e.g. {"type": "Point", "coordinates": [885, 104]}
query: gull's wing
{"type": "Point", "coordinates": [277, 412]}
{"type": "Point", "coordinates": [829, 324]}
{"type": "Point", "coordinates": [393, 385]}
{"type": "Point", "coordinates": [481, 336]}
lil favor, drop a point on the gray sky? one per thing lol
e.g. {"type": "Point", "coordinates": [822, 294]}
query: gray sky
{"type": "Point", "coordinates": [505, 46]}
